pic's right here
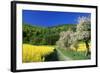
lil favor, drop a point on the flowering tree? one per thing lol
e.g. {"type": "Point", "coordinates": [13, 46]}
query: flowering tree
{"type": "Point", "coordinates": [65, 39]}
{"type": "Point", "coordinates": [84, 31]}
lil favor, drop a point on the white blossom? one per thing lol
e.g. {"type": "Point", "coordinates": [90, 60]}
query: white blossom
{"type": "Point", "coordinates": [84, 28]}
{"type": "Point", "coordinates": [69, 38]}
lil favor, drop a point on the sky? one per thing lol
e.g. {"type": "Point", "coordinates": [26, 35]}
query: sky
{"type": "Point", "coordinates": [50, 18]}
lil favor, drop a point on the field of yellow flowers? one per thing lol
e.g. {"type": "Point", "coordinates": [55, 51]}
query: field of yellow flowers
{"type": "Point", "coordinates": [81, 47]}
{"type": "Point", "coordinates": [32, 53]}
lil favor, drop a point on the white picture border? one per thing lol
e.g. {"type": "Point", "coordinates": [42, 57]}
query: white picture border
{"type": "Point", "coordinates": [39, 65]}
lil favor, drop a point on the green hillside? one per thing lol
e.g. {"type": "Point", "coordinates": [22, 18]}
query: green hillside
{"type": "Point", "coordinates": [37, 35]}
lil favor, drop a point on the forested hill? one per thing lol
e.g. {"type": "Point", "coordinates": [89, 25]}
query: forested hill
{"type": "Point", "coordinates": [38, 35]}
{"type": "Point", "coordinates": [64, 27]}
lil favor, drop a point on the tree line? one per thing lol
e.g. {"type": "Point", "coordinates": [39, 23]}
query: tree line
{"type": "Point", "coordinates": [37, 35]}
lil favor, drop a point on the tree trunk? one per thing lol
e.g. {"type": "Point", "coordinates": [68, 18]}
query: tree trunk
{"type": "Point", "coordinates": [87, 50]}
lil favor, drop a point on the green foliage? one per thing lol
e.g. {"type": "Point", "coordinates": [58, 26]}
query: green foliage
{"type": "Point", "coordinates": [37, 35]}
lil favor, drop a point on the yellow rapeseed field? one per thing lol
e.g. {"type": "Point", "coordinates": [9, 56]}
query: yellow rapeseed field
{"type": "Point", "coordinates": [32, 53]}
{"type": "Point", "coordinates": [81, 47]}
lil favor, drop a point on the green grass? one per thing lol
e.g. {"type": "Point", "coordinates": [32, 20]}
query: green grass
{"type": "Point", "coordinates": [74, 55]}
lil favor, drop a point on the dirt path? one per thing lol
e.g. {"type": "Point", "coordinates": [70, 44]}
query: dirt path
{"type": "Point", "coordinates": [62, 56]}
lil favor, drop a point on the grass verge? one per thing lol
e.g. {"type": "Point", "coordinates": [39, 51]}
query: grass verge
{"type": "Point", "coordinates": [74, 55]}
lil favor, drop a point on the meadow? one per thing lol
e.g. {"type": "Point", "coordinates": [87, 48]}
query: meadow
{"type": "Point", "coordinates": [74, 54]}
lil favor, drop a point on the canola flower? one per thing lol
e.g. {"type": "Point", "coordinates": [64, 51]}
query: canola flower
{"type": "Point", "coordinates": [81, 47]}
{"type": "Point", "coordinates": [32, 53]}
